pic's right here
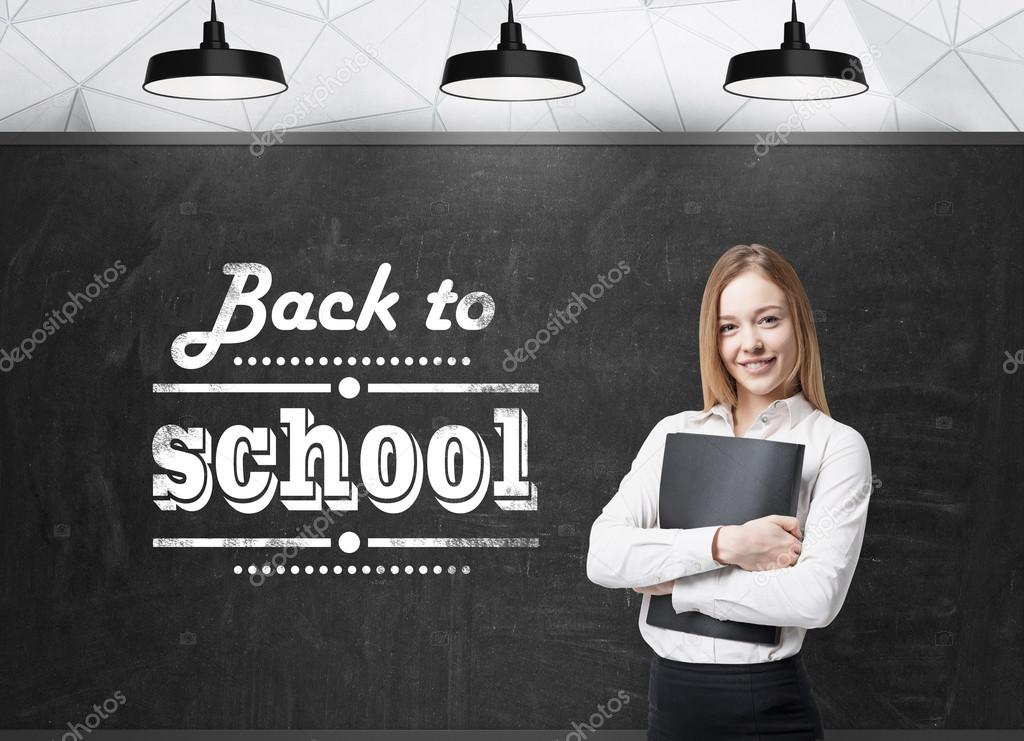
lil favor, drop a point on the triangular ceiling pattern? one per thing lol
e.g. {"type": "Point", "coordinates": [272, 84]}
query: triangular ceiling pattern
{"type": "Point", "coordinates": [649, 65]}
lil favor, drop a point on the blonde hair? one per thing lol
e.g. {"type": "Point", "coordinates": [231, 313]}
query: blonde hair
{"type": "Point", "coordinates": [719, 386]}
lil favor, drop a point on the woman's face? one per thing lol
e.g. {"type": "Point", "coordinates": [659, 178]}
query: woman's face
{"type": "Point", "coordinates": [754, 324]}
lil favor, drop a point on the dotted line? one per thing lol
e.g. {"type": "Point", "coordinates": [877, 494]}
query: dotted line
{"type": "Point", "coordinates": [365, 360]}
{"type": "Point", "coordinates": [324, 569]}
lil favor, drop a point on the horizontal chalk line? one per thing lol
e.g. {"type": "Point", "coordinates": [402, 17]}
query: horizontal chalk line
{"type": "Point", "coordinates": [241, 542]}
{"type": "Point", "coordinates": [241, 388]}
{"type": "Point", "coordinates": [452, 542]}
{"type": "Point", "coordinates": [452, 388]}
{"type": "Point", "coordinates": [268, 570]}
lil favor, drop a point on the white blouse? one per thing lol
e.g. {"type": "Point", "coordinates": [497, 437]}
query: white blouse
{"type": "Point", "coordinates": [628, 548]}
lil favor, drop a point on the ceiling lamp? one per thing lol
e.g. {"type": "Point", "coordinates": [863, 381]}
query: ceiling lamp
{"type": "Point", "coordinates": [795, 71]}
{"type": "Point", "coordinates": [214, 71]}
{"type": "Point", "coordinates": [511, 72]}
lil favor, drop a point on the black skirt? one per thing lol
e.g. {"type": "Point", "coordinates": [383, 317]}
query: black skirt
{"type": "Point", "coordinates": [771, 701]}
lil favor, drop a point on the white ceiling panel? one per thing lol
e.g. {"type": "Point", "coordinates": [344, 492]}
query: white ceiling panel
{"type": "Point", "coordinates": [649, 65]}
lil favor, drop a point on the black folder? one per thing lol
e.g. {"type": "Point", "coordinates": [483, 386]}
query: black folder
{"type": "Point", "coordinates": [723, 480]}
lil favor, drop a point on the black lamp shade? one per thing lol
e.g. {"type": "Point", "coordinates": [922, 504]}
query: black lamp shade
{"type": "Point", "coordinates": [795, 74]}
{"type": "Point", "coordinates": [214, 71]}
{"type": "Point", "coordinates": [511, 72]}
{"type": "Point", "coordinates": [214, 74]}
{"type": "Point", "coordinates": [795, 71]}
{"type": "Point", "coordinates": [501, 74]}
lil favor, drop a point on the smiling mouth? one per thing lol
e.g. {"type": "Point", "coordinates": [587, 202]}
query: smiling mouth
{"type": "Point", "coordinates": [757, 364]}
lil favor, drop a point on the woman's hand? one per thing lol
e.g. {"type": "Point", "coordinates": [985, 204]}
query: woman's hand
{"type": "Point", "coordinates": [771, 542]}
{"type": "Point", "coordinates": [664, 588]}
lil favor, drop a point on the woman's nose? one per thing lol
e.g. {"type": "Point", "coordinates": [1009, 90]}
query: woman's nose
{"type": "Point", "coordinates": [752, 342]}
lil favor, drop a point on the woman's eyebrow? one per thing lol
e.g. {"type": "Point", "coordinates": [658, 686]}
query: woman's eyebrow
{"type": "Point", "coordinates": [730, 316]}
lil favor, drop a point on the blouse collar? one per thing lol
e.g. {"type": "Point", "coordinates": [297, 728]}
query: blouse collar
{"type": "Point", "coordinates": [797, 406]}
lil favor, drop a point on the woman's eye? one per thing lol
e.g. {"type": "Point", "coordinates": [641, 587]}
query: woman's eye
{"type": "Point", "coordinates": [773, 319]}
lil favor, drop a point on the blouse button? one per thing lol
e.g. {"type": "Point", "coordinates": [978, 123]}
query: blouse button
{"type": "Point", "coordinates": [764, 419]}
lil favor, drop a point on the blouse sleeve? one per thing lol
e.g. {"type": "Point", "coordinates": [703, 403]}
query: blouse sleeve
{"type": "Point", "coordinates": [810, 593]}
{"type": "Point", "coordinates": [627, 548]}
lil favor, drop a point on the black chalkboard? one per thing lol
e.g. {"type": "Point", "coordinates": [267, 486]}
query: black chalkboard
{"type": "Point", "coordinates": [912, 257]}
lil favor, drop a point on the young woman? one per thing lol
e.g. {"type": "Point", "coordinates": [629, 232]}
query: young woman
{"type": "Point", "coordinates": [761, 374]}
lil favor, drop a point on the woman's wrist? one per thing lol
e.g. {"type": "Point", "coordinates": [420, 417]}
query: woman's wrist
{"type": "Point", "coordinates": [722, 545]}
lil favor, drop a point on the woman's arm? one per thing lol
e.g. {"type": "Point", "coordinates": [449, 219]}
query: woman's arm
{"type": "Point", "coordinates": [810, 593]}
{"type": "Point", "coordinates": [627, 549]}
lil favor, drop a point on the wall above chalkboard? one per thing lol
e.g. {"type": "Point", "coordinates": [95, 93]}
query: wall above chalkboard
{"type": "Point", "coordinates": [654, 66]}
